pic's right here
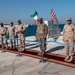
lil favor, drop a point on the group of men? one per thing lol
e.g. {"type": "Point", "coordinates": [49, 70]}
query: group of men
{"type": "Point", "coordinates": [41, 35]}
{"type": "Point", "coordinates": [12, 31]}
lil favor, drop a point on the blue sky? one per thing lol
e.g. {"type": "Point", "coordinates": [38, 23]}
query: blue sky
{"type": "Point", "coordinates": [11, 10]}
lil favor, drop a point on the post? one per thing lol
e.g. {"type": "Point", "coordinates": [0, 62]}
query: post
{"type": "Point", "coordinates": [35, 23]}
{"type": "Point", "coordinates": [17, 42]}
{"type": "Point", "coordinates": [52, 25]}
{"type": "Point", "coordinates": [2, 42]}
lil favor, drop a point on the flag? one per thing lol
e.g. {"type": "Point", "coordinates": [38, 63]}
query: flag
{"type": "Point", "coordinates": [35, 16]}
{"type": "Point", "coordinates": [53, 17]}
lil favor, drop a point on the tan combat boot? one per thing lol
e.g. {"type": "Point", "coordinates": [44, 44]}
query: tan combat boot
{"type": "Point", "coordinates": [43, 52]}
{"type": "Point", "coordinates": [40, 53]}
{"type": "Point", "coordinates": [67, 57]}
{"type": "Point", "coordinates": [14, 47]}
{"type": "Point", "coordinates": [6, 47]}
{"type": "Point", "coordinates": [11, 47]}
{"type": "Point", "coordinates": [23, 49]}
{"type": "Point", "coordinates": [71, 58]}
{"type": "Point", "coordinates": [20, 49]}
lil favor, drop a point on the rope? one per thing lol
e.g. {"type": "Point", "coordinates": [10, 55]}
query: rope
{"type": "Point", "coordinates": [54, 41]}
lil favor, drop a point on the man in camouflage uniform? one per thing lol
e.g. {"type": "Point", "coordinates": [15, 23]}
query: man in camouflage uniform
{"type": "Point", "coordinates": [12, 34]}
{"type": "Point", "coordinates": [20, 28]}
{"type": "Point", "coordinates": [3, 32]}
{"type": "Point", "coordinates": [68, 38]}
{"type": "Point", "coordinates": [41, 35]}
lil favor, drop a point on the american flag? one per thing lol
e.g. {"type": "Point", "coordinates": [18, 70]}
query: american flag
{"type": "Point", "coordinates": [53, 17]}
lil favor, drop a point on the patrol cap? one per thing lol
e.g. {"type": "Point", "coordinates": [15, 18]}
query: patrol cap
{"type": "Point", "coordinates": [11, 22]}
{"type": "Point", "coordinates": [18, 20]}
{"type": "Point", "coordinates": [1, 23]}
{"type": "Point", "coordinates": [41, 19]}
{"type": "Point", "coordinates": [69, 19]}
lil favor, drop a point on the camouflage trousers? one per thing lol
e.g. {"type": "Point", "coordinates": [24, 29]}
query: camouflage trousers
{"type": "Point", "coordinates": [3, 41]}
{"type": "Point", "coordinates": [42, 44]}
{"type": "Point", "coordinates": [22, 42]}
{"type": "Point", "coordinates": [12, 41]}
{"type": "Point", "coordinates": [69, 49]}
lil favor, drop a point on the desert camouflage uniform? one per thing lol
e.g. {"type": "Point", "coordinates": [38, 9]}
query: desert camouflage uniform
{"type": "Point", "coordinates": [3, 37]}
{"type": "Point", "coordinates": [68, 38]}
{"type": "Point", "coordinates": [41, 35]}
{"type": "Point", "coordinates": [20, 31]}
{"type": "Point", "coordinates": [12, 34]}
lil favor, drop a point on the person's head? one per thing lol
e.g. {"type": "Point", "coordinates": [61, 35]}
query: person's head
{"type": "Point", "coordinates": [69, 21]}
{"type": "Point", "coordinates": [19, 22]}
{"type": "Point", "coordinates": [40, 20]}
{"type": "Point", "coordinates": [11, 23]}
{"type": "Point", "coordinates": [1, 24]}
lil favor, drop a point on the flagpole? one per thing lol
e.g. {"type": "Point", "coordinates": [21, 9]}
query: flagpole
{"type": "Point", "coordinates": [35, 22]}
{"type": "Point", "coordinates": [52, 25]}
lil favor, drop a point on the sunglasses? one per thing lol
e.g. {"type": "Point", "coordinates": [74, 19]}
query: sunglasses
{"type": "Point", "coordinates": [68, 20]}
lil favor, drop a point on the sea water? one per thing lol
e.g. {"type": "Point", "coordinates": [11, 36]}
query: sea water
{"type": "Point", "coordinates": [31, 30]}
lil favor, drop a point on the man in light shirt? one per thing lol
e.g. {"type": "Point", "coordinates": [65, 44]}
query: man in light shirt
{"type": "Point", "coordinates": [3, 32]}
{"type": "Point", "coordinates": [12, 34]}
{"type": "Point", "coordinates": [20, 28]}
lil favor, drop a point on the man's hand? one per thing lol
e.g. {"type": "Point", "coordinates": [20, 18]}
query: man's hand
{"type": "Point", "coordinates": [63, 39]}
{"type": "Point", "coordinates": [6, 35]}
{"type": "Point", "coordinates": [45, 37]}
{"type": "Point", "coordinates": [18, 32]}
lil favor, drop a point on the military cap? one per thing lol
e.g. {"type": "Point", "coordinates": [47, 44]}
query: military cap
{"type": "Point", "coordinates": [41, 19]}
{"type": "Point", "coordinates": [1, 23]}
{"type": "Point", "coordinates": [69, 19]}
{"type": "Point", "coordinates": [18, 20]}
{"type": "Point", "coordinates": [11, 22]}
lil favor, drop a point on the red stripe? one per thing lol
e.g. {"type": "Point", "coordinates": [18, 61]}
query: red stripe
{"type": "Point", "coordinates": [53, 17]}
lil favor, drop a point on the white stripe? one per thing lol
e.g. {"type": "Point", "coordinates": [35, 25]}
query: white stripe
{"type": "Point", "coordinates": [35, 17]}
